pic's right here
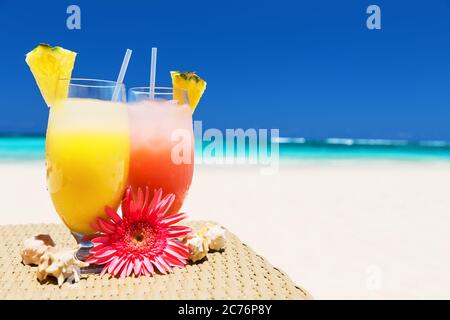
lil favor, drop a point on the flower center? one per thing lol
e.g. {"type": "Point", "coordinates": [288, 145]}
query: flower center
{"type": "Point", "coordinates": [138, 237]}
{"type": "Point", "coordinates": [141, 236]}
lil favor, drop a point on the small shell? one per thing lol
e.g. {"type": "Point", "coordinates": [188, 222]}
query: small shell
{"type": "Point", "coordinates": [35, 247]}
{"type": "Point", "coordinates": [214, 236]}
{"type": "Point", "coordinates": [198, 247]}
{"type": "Point", "coordinates": [61, 264]}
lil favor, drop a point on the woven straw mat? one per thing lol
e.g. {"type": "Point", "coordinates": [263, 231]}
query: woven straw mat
{"type": "Point", "coordinates": [235, 273]}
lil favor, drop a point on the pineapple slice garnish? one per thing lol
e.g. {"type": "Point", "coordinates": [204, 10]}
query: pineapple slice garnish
{"type": "Point", "coordinates": [48, 65]}
{"type": "Point", "coordinates": [192, 83]}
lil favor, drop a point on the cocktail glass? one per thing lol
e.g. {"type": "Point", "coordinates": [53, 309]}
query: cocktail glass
{"type": "Point", "coordinates": [87, 154]}
{"type": "Point", "coordinates": [162, 142]}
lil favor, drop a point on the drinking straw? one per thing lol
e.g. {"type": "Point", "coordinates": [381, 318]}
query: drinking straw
{"type": "Point", "coordinates": [153, 72]}
{"type": "Point", "coordinates": [121, 76]}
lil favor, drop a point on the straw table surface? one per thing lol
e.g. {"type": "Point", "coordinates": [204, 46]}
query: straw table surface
{"type": "Point", "coordinates": [234, 273]}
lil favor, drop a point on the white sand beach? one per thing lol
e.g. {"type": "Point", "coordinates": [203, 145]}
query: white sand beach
{"type": "Point", "coordinates": [347, 229]}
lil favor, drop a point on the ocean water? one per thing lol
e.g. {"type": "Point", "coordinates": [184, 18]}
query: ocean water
{"type": "Point", "coordinates": [364, 149]}
{"type": "Point", "coordinates": [22, 148]}
{"type": "Point", "coordinates": [33, 148]}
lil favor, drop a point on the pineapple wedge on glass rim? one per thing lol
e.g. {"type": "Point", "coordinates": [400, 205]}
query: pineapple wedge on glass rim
{"type": "Point", "coordinates": [192, 83]}
{"type": "Point", "coordinates": [48, 65]}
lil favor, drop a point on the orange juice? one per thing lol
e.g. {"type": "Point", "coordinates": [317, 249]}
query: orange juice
{"type": "Point", "coordinates": [87, 158]}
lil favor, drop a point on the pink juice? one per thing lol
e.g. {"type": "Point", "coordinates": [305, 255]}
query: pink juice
{"type": "Point", "coordinates": [162, 148]}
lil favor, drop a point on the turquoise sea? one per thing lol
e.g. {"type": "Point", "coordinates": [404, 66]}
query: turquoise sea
{"type": "Point", "coordinates": [32, 148]}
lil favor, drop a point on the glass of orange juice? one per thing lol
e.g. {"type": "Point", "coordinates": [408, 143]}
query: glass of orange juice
{"type": "Point", "coordinates": [162, 142]}
{"type": "Point", "coordinates": [87, 153]}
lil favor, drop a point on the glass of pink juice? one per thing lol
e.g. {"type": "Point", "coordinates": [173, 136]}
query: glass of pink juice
{"type": "Point", "coordinates": [162, 142]}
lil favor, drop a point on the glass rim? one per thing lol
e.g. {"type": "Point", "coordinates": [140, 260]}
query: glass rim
{"type": "Point", "coordinates": [112, 84]}
{"type": "Point", "coordinates": [146, 90]}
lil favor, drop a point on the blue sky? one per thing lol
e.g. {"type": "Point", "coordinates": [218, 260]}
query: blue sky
{"type": "Point", "coordinates": [310, 68]}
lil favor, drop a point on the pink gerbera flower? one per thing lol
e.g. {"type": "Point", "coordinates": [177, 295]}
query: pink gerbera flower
{"type": "Point", "coordinates": [143, 240]}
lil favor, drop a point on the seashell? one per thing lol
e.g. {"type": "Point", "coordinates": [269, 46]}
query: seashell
{"type": "Point", "coordinates": [61, 264]}
{"type": "Point", "coordinates": [35, 247]}
{"type": "Point", "coordinates": [197, 245]}
{"type": "Point", "coordinates": [214, 236]}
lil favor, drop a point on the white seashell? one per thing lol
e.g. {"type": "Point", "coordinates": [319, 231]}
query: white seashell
{"type": "Point", "coordinates": [35, 247]}
{"type": "Point", "coordinates": [61, 264]}
{"type": "Point", "coordinates": [214, 236]}
{"type": "Point", "coordinates": [198, 247]}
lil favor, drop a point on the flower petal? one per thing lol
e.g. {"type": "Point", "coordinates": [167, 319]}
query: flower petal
{"type": "Point", "coordinates": [145, 271]}
{"type": "Point", "coordinates": [158, 266]}
{"type": "Point", "coordinates": [165, 204]}
{"type": "Point", "coordinates": [106, 226]}
{"type": "Point", "coordinates": [139, 200]}
{"type": "Point", "coordinates": [175, 254]}
{"type": "Point", "coordinates": [123, 273]}
{"type": "Point", "coordinates": [113, 215]}
{"type": "Point", "coordinates": [156, 199]}
{"type": "Point", "coordinates": [94, 225]}
{"type": "Point", "coordinates": [164, 264]}
{"type": "Point", "coordinates": [91, 260]}
{"type": "Point", "coordinates": [178, 231]}
{"type": "Point", "coordinates": [147, 197]}
{"type": "Point", "coordinates": [130, 267]}
{"type": "Point", "coordinates": [148, 266]}
{"type": "Point", "coordinates": [137, 266]}
{"type": "Point", "coordinates": [113, 264]}
{"type": "Point", "coordinates": [101, 240]}
{"type": "Point", "coordinates": [126, 201]}
{"type": "Point", "coordinates": [174, 261]}
{"type": "Point", "coordinates": [104, 271]}
{"type": "Point", "coordinates": [98, 247]}
{"type": "Point", "coordinates": [99, 250]}
{"type": "Point", "coordinates": [119, 266]}
{"type": "Point", "coordinates": [105, 260]}
{"type": "Point", "coordinates": [174, 218]}
{"type": "Point", "coordinates": [178, 247]}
